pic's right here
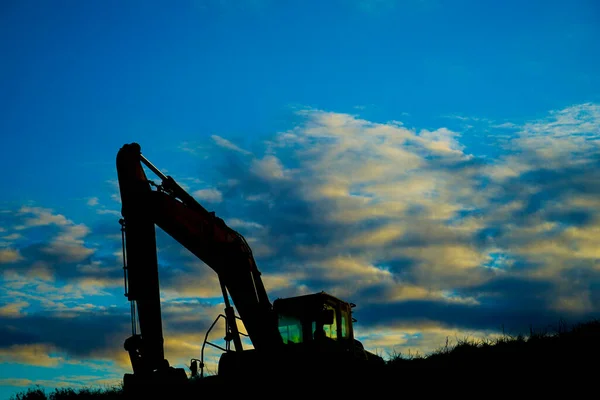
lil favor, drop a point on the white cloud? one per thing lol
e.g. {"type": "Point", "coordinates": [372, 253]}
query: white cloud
{"type": "Point", "coordinates": [355, 172]}
{"type": "Point", "coordinates": [41, 217]}
{"type": "Point", "coordinates": [269, 167]}
{"type": "Point", "coordinates": [442, 141]}
{"type": "Point", "coordinates": [188, 148]}
{"type": "Point", "coordinates": [569, 132]}
{"type": "Point", "coordinates": [506, 125]}
{"type": "Point", "coordinates": [68, 245]}
{"type": "Point", "coordinates": [109, 212]}
{"type": "Point", "coordinates": [12, 236]}
{"type": "Point", "coordinates": [93, 201]}
{"type": "Point", "coordinates": [113, 185]}
{"type": "Point", "coordinates": [238, 223]}
{"type": "Point", "coordinates": [208, 195]}
{"type": "Point", "coordinates": [228, 145]}
{"type": "Point", "coordinates": [260, 248]}
{"type": "Point", "coordinates": [394, 193]}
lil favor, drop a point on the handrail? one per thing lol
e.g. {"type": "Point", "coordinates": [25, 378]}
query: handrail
{"type": "Point", "coordinates": [227, 341]}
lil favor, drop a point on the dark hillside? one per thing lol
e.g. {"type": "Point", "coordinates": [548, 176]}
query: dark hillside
{"type": "Point", "coordinates": [560, 362]}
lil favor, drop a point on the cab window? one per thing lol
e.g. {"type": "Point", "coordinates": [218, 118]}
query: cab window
{"type": "Point", "coordinates": [331, 329]}
{"type": "Point", "coordinates": [345, 321]}
{"type": "Point", "coordinates": [290, 329]}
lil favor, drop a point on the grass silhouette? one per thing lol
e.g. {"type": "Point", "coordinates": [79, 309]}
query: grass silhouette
{"type": "Point", "coordinates": [553, 359]}
{"type": "Point", "coordinates": [539, 350]}
{"type": "Point", "coordinates": [37, 393]}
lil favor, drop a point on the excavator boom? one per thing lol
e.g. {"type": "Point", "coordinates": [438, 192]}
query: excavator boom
{"type": "Point", "coordinates": [206, 236]}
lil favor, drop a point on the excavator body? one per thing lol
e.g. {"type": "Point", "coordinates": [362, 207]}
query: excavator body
{"type": "Point", "coordinates": [310, 335]}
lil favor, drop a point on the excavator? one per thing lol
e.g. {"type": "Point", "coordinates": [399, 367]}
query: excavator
{"type": "Point", "coordinates": [306, 335]}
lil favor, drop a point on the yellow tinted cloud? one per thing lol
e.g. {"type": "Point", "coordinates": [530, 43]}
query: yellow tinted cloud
{"type": "Point", "coordinates": [377, 237]}
{"type": "Point", "coordinates": [9, 256]}
{"type": "Point", "coordinates": [32, 354]}
{"type": "Point", "coordinates": [13, 309]}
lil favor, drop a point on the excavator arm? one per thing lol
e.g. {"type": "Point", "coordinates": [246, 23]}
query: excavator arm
{"type": "Point", "coordinates": [206, 236]}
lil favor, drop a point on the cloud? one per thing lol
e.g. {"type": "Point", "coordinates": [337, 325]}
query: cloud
{"type": "Point", "coordinates": [228, 145]}
{"type": "Point", "coordinates": [68, 246]}
{"type": "Point", "coordinates": [555, 141]}
{"type": "Point", "coordinates": [352, 171]}
{"type": "Point", "coordinates": [507, 125]}
{"type": "Point", "coordinates": [81, 334]}
{"type": "Point", "coordinates": [188, 148]}
{"type": "Point", "coordinates": [9, 256]}
{"type": "Point", "coordinates": [101, 208]}
{"type": "Point", "coordinates": [269, 167]}
{"type": "Point", "coordinates": [31, 354]}
{"type": "Point", "coordinates": [12, 236]}
{"type": "Point", "coordinates": [13, 309]}
{"type": "Point", "coordinates": [542, 212]}
{"type": "Point", "coordinates": [50, 246]}
{"type": "Point", "coordinates": [113, 187]}
{"type": "Point", "coordinates": [208, 195]}
{"type": "Point", "coordinates": [53, 339]}
{"type": "Point", "coordinates": [413, 340]}
{"type": "Point", "coordinates": [391, 215]}
{"type": "Point", "coordinates": [238, 223]}
{"type": "Point", "coordinates": [54, 289]}
{"type": "Point", "coordinates": [109, 212]}
{"type": "Point", "coordinates": [37, 216]}
{"type": "Point", "coordinates": [193, 279]}
{"type": "Point", "coordinates": [429, 240]}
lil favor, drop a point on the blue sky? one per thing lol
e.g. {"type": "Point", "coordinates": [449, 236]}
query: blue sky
{"type": "Point", "coordinates": [434, 162]}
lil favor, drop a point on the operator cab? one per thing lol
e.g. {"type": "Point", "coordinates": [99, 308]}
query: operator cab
{"type": "Point", "coordinates": [314, 318]}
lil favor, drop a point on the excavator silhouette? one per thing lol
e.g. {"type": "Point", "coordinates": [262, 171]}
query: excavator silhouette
{"type": "Point", "coordinates": [282, 333]}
